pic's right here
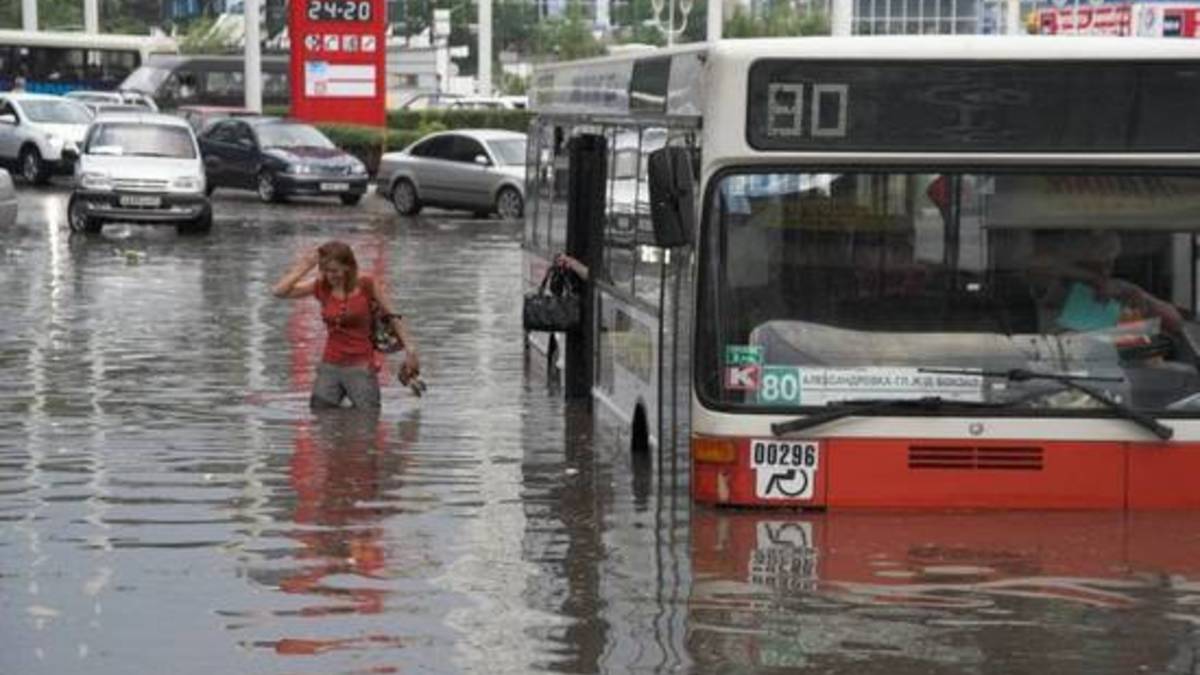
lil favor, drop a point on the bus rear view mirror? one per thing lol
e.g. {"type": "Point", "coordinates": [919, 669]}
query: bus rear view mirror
{"type": "Point", "coordinates": [672, 208]}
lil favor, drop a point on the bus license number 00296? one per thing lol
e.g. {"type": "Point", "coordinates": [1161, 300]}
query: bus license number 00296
{"type": "Point", "coordinates": [783, 453]}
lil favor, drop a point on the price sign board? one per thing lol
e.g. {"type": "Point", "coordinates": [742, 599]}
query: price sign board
{"type": "Point", "coordinates": [339, 58]}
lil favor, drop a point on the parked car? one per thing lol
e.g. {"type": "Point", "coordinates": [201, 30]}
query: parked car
{"type": "Point", "coordinates": [429, 101]}
{"type": "Point", "coordinates": [140, 167]}
{"type": "Point", "coordinates": [481, 103]}
{"type": "Point", "coordinates": [8, 201]}
{"type": "Point", "coordinates": [279, 158]}
{"type": "Point", "coordinates": [481, 170]}
{"type": "Point", "coordinates": [41, 134]}
{"type": "Point", "coordinates": [200, 116]}
{"type": "Point", "coordinates": [99, 109]}
{"type": "Point", "coordinates": [92, 99]}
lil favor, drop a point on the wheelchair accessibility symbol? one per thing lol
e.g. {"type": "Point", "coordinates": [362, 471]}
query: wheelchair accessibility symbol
{"type": "Point", "coordinates": [782, 483]}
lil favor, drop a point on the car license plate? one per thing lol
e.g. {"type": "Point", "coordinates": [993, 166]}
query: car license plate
{"type": "Point", "coordinates": [140, 200]}
{"type": "Point", "coordinates": [334, 187]}
{"type": "Point", "coordinates": [784, 469]}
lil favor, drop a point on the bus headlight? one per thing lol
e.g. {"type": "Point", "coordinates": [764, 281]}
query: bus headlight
{"type": "Point", "coordinates": [95, 180]}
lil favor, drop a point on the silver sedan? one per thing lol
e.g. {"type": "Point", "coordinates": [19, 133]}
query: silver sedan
{"type": "Point", "coordinates": [480, 170]}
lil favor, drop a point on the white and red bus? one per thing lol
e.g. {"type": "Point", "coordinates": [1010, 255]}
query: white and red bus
{"type": "Point", "coordinates": [933, 272]}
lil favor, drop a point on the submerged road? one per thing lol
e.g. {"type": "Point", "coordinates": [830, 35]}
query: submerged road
{"type": "Point", "coordinates": [168, 503]}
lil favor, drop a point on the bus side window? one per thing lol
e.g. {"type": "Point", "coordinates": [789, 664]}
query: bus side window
{"type": "Point", "coordinates": [556, 231]}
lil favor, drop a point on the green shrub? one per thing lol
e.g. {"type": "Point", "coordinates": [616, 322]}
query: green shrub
{"type": "Point", "coordinates": [368, 143]}
{"type": "Point", "coordinates": [513, 120]}
{"type": "Point", "coordinates": [429, 121]}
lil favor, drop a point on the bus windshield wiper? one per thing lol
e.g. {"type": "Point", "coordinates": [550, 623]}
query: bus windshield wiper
{"type": "Point", "coordinates": [860, 406]}
{"type": "Point", "coordinates": [1073, 382]}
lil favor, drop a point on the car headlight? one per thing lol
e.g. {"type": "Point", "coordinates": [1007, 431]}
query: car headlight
{"type": "Point", "coordinates": [357, 167]}
{"type": "Point", "coordinates": [299, 168]}
{"type": "Point", "coordinates": [95, 180]}
{"type": "Point", "coordinates": [188, 184]}
{"type": "Point", "coordinates": [55, 142]}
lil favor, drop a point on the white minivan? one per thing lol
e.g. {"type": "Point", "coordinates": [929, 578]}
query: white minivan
{"type": "Point", "coordinates": [40, 134]}
{"type": "Point", "coordinates": [140, 168]}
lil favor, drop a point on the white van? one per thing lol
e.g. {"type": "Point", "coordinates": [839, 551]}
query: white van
{"type": "Point", "coordinates": [140, 168]}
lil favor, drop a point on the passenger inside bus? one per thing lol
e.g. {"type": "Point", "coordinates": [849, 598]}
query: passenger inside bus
{"type": "Point", "coordinates": [1073, 275]}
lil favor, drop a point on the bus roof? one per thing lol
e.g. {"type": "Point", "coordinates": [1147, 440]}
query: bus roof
{"type": "Point", "coordinates": [671, 83]}
{"type": "Point", "coordinates": [68, 39]}
{"type": "Point", "coordinates": [960, 47]}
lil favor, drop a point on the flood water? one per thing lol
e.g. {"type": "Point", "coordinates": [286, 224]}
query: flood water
{"type": "Point", "coordinates": [168, 503]}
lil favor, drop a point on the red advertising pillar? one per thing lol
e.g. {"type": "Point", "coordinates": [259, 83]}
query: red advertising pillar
{"type": "Point", "coordinates": [339, 58]}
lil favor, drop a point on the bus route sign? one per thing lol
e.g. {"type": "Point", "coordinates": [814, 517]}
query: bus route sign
{"type": "Point", "coordinates": [339, 61]}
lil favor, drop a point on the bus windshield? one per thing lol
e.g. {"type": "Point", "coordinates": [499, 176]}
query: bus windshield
{"type": "Point", "coordinates": [826, 287]}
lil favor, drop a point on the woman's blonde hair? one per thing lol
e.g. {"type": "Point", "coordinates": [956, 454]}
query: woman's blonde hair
{"type": "Point", "coordinates": [341, 253]}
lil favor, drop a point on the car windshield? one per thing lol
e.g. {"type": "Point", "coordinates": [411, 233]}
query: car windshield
{"type": "Point", "coordinates": [291, 136]}
{"type": "Point", "coordinates": [142, 140]}
{"type": "Point", "coordinates": [509, 151]}
{"type": "Point", "coordinates": [59, 111]}
{"type": "Point", "coordinates": [146, 79]}
{"type": "Point", "coordinates": [92, 96]}
{"type": "Point", "coordinates": [856, 285]}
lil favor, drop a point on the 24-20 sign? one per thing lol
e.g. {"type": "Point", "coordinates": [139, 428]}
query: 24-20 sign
{"type": "Point", "coordinates": [339, 10]}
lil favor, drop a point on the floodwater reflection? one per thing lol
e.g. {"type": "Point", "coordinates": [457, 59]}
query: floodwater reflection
{"type": "Point", "coordinates": [921, 592]}
{"type": "Point", "coordinates": [341, 465]}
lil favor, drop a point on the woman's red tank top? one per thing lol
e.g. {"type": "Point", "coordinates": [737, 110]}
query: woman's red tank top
{"type": "Point", "coordinates": [348, 322]}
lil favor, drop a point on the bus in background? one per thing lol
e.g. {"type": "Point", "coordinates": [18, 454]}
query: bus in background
{"type": "Point", "coordinates": [926, 272]}
{"type": "Point", "coordinates": [204, 80]}
{"type": "Point", "coordinates": [58, 62]}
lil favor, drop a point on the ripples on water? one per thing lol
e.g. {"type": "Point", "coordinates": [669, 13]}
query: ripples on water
{"type": "Point", "coordinates": [168, 502]}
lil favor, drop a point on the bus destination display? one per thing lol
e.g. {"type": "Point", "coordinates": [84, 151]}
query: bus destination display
{"type": "Point", "coordinates": [973, 107]}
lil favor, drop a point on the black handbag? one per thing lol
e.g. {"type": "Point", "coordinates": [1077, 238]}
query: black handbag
{"type": "Point", "coordinates": [555, 306]}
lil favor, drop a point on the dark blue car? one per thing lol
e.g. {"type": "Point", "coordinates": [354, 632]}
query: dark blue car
{"type": "Point", "coordinates": [279, 158]}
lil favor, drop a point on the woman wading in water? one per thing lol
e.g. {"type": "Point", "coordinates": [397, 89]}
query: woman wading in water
{"type": "Point", "coordinates": [349, 364]}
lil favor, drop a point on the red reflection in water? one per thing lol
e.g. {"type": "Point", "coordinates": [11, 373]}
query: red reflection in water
{"type": "Point", "coordinates": [341, 466]}
{"type": "Point", "coordinates": [754, 570]}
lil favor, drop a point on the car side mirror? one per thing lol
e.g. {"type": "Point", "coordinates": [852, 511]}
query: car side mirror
{"type": "Point", "coordinates": [8, 118]}
{"type": "Point", "coordinates": [482, 160]}
{"type": "Point", "coordinates": [672, 190]}
{"type": "Point", "coordinates": [247, 143]}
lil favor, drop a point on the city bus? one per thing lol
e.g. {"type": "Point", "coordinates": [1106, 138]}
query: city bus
{"type": "Point", "coordinates": [885, 272]}
{"type": "Point", "coordinates": [58, 62]}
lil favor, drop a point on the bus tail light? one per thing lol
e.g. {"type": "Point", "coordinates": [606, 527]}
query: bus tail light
{"type": "Point", "coordinates": [713, 450]}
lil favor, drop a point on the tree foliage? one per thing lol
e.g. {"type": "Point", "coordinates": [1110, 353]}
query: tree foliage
{"type": "Point", "coordinates": [568, 37]}
{"type": "Point", "coordinates": [780, 19]}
